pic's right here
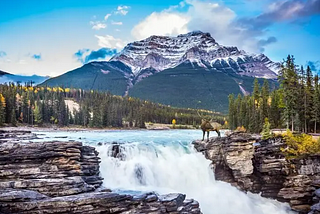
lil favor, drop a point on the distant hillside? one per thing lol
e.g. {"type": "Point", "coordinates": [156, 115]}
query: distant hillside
{"type": "Point", "coordinates": [6, 77]}
{"type": "Point", "coordinates": [102, 76]}
{"type": "Point", "coordinates": [3, 73]}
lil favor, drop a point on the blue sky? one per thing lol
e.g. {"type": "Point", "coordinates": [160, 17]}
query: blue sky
{"type": "Point", "coordinates": [52, 37]}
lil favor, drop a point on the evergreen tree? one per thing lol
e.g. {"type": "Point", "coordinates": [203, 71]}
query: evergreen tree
{"type": "Point", "coordinates": [266, 132]}
{"type": "Point", "coordinates": [232, 112]}
{"type": "Point", "coordinates": [256, 92]}
{"type": "Point", "coordinates": [301, 102]}
{"type": "Point", "coordinates": [251, 114]}
{"type": "Point", "coordinates": [316, 103]}
{"type": "Point", "coordinates": [289, 83]}
{"type": "Point", "coordinates": [237, 106]}
{"type": "Point", "coordinates": [255, 113]}
{"type": "Point", "coordinates": [275, 110]}
{"type": "Point", "coordinates": [37, 113]}
{"type": "Point", "coordinates": [243, 112]}
{"type": "Point", "coordinates": [309, 91]}
{"type": "Point", "coordinates": [264, 99]}
{"type": "Point", "coordinates": [96, 117]}
{"type": "Point", "coordinates": [13, 119]}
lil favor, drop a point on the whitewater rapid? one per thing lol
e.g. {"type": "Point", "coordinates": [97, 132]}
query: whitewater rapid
{"type": "Point", "coordinates": [166, 162]}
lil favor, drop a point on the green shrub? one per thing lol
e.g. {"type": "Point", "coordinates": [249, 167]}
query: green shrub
{"type": "Point", "coordinates": [299, 145]}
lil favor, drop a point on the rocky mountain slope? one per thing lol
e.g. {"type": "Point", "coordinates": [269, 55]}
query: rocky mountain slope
{"type": "Point", "coordinates": [191, 70]}
{"type": "Point", "coordinates": [163, 52]}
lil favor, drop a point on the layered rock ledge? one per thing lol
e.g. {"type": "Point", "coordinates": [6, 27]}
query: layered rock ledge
{"type": "Point", "coordinates": [260, 167]}
{"type": "Point", "coordinates": [63, 177]}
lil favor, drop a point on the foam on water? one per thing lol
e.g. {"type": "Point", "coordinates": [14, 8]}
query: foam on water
{"type": "Point", "coordinates": [166, 162]}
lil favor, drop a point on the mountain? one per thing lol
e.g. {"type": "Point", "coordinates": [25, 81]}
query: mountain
{"type": "Point", "coordinates": [190, 70]}
{"type": "Point", "coordinates": [104, 76]}
{"type": "Point", "coordinates": [7, 77]}
{"type": "Point", "coordinates": [163, 52]}
{"type": "Point", "coordinates": [3, 73]}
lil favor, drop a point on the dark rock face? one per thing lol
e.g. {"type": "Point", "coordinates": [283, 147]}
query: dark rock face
{"type": "Point", "coordinates": [53, 168]}
{"type": "Point", "coordinates": [116, 151]}
{"type": "Point", "coordinates": [63, 177]}
{"type": "Point", "coordinates": [259, 167]}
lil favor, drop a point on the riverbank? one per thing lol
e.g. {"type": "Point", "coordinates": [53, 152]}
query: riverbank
{"type": "Point", "coordinates": [57, 129]}
{"type": "Point", "coordinates": [53, 128]}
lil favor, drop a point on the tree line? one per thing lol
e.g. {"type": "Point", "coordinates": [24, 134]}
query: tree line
{"type": "Point", "coordinates": [45, 105]}
{"type": "Point", "coordinates": [294, 105]}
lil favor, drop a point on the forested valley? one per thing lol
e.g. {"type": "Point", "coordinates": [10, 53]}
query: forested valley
{"type": "Point", "coordinates": [44, 106]}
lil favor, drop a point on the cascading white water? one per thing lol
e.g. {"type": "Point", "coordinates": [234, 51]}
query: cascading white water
{"type": "Point", "coordinates": [165, 162]}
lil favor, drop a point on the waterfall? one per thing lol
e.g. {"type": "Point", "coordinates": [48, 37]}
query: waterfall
{"type": "Point", "coordinates": [167, 168]}
{"type": "Point", "coordinates": [166, 162]}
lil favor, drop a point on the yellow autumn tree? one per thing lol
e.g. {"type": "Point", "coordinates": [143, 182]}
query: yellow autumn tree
{"type": "Point", "coordinates": [2, 100]}
{"type": "Point", "coordinates": [2, 109]}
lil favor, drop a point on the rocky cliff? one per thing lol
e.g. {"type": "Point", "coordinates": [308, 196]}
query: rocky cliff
{"type": "Point", "coordinates": [260, 167]}
{"type": "Point", "coordinates": [63, 177]}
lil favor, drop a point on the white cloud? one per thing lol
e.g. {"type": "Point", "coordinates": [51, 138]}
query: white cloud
{"type": "Point", "coordinates": [122, 10]}
{"type": "Point", "coordinates": [295, 8]}
{"type": "Point", "coordinates": [22, 62]}
{"type": "Point", "coordinates": [107, 16]}
{"type": "Point", "coordinates": [109, 41]}
{"type": "Point", "coordinates": [163, 23]}
{"type": "Point", "coordinates": [98, 25]}
{"type": "Point", "coordinates": [213, 17]}
{"type": "Point", "coordinates": [116, 23]}
{"type": "Point", "coordinates": [56, 62]}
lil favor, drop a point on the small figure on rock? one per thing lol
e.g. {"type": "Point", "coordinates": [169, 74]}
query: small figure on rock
{"type": "Point", "coordinates": [208, 125]}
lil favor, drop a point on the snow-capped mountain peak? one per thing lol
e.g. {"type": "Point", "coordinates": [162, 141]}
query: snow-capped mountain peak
{"type": "Point", "coordinates": [163, 52]}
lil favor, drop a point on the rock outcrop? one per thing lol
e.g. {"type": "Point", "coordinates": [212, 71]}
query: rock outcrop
{"type": "Point", "coordinates": [63, 177]}
{"type": "Point", "coordinates": [7, 135]}
{"type": "Point", "coordinates": [26, 201]}
{"type": "Point", "coordinates": [258, 166]}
